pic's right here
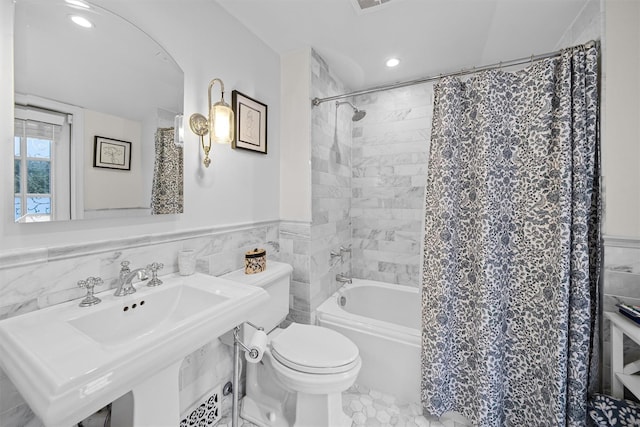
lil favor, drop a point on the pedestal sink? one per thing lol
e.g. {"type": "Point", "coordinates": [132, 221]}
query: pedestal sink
{"type": "Point", "coordinates": [68, 361]}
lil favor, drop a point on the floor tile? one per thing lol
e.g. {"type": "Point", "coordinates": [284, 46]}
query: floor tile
{"type": "Point", "coordinates": [371, 408]}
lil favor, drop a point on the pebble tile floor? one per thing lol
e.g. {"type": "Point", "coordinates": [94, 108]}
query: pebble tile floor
{"type": "Point", "coordinates": [370, 408]}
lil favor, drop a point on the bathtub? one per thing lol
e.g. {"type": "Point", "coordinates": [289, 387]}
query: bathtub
{"type": "Point", "coordinates": [383, 320]}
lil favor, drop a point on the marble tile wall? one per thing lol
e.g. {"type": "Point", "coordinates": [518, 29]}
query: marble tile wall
{"type": "Point", "coordinates": [621, 283]}
{"type": "Point", "coordinates": [295, 245]}
{"type": "Point", "coordinates": [331, 183]}
{"type": "Point", "coordinates": [389, 156]}
{"type": "Point", "coordinates": [34, 279]}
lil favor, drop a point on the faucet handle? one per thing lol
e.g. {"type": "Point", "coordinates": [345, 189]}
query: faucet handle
{"type": "Point", "coordinates": [89, 283]}
{"type": "Point", "coordinates": [153, 268]}
{"type": "Point", "coordinates": [124, 267]}
{"type": "Point", "coordinates": [343, 249]}
{"type": "Point", "coordinates": [335, 258]}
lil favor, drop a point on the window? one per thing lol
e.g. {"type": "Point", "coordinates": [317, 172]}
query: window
{"type": "Point", "coordinates": [36, 137]}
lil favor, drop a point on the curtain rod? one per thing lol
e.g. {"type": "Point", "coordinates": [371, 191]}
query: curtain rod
{"type": "Point", "coordinates": [317, 101]}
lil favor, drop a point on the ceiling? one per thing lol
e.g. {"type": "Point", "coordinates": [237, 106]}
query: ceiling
{"type": "Point", "coordinates": [428, 36]}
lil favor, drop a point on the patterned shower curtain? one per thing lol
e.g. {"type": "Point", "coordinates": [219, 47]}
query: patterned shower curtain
{"type": "Point", "coordinates": [510, 288]}
{"type": "Point", "coordinates": [167, 188]}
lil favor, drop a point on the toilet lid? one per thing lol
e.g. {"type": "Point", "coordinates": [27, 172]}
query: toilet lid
{"type": "Point", "coordinates": [314, 349]}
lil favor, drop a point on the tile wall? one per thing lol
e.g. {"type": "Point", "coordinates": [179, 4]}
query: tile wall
{"type": "Point", "coordinates": [307, 245]}
{"type": "Point", "coordinates": [331, 183]}
{"type": "Point", "coordinates": [34, 279]}
{"type": "Point", "coordinates": [390, 154]}
{"type": "Point", "coordinates": [367, 191]}
{"type": "Point", "coordinates": [295, 244]}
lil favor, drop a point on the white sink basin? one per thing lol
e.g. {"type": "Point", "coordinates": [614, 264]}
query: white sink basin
{"type": "Point", "coordinates": [68, 361]}
{"type": "Point", "coordinates": [144, 313]}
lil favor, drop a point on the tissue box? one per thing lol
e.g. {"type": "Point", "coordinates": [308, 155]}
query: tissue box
{"type": "Point", "coordinates": [255, 261]}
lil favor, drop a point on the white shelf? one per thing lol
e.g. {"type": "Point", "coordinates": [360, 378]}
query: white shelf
{"type": "Point", "coordinates": [631, 382]}
{"type": "Point", "coordinates": [628, 326]}
{"type": "Point", "coordinates": [621, 326]}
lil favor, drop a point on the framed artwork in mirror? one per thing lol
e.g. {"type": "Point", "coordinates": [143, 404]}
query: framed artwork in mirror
{"type": "Point", "coordinates": [251, 123]}
{"type": "Point", "coordinates": [112, 153]}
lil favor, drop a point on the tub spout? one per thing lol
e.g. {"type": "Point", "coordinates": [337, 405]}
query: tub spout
{"type": "Point", "coordinates": [341, 278]}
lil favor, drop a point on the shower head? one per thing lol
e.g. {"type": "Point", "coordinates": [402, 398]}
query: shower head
{"type": "Point", "coordinates": [357, 114]}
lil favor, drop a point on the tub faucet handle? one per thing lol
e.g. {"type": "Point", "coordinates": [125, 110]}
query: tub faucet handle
{"type": "Point", "coordinates": [335, 254]}
{"type": "Point", "coordinates": [88, 284]}
{"type": "Point", "coordinates": [344, 250]}
{"type": "Point", "coordinates": [341, 278]}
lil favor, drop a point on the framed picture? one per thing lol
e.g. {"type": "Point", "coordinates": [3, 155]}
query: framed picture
{"type": "Point", "coordinates": [251, 123]}
{"type": "Point", "coordinates": [112, 153]}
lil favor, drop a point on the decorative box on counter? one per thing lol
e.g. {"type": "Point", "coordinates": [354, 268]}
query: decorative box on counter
{"type": "Point", "coordinates": [255, 261]}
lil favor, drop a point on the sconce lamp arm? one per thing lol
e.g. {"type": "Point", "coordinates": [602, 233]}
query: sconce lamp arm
{"type": "Point", "coordinates": [211, 83]}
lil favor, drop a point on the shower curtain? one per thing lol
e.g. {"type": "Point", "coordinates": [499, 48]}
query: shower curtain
{"type": "Point", "coordinates": [511, 258]}
{"type": "Point", "coordinates": [167, 188]}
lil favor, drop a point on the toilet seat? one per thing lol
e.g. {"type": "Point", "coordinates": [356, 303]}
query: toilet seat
{"type": "Point", "coordinates": [314, 350]}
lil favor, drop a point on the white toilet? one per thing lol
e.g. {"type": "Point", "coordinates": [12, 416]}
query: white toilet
{"type": "Point", "coordinates": [305, 368]}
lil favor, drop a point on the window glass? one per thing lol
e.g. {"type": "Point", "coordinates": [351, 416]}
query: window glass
{"type": "Point", "coordinates": [16, 175]}
{"type": "Point", "coordinates": [16, 146]}
{"type": "Point", "coordinates": [39, 148]}
{"type": "Point", "coordinates": [38, 177]}
{"type": "Point", "coordinates": [17, 207]}
{"type": "Point", "coordinates": [38, 205]}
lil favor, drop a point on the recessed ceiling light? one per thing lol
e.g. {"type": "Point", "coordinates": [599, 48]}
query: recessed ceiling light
{"type": "Point", "coordinates": [392, 62]}
{"type": "Point", "coordinates": [78, 3]}
{"type": "Point", "coordinates": [81, 21]}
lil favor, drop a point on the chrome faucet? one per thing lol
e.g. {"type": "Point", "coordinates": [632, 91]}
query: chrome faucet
{"type": "Point", "coordinates": [341, 278]}
{"type": "Point", "coordinates": [125, 280]}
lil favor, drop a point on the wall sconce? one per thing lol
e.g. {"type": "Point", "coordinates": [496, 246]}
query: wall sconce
{"type": "Point", "coordinates": [219, 125]}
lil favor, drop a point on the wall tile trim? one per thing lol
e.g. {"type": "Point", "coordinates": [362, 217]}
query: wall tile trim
{"type": "Point", "coordinates": [621, 242]}
{"type": "Point", "coordinates": [25, 257]}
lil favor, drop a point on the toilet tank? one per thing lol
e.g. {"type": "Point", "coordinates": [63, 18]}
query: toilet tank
{"type": "Point", "coordinates": [275, 280]}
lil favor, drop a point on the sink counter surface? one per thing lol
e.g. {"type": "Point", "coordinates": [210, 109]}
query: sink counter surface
{"type": "Point", "coordinates": [69, 361]}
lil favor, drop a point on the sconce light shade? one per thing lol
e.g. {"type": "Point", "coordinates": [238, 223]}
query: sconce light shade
{"type": "Point", "coordinates": [219, 124]}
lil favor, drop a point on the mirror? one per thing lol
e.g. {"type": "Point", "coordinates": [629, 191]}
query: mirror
{"type": "Point", "coordinates": [95, 117]}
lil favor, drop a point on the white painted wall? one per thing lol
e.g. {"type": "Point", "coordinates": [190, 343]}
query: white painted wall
{"type": "Point", "coordinates": [587, 26]}
{"type": "Point", "coordinates": [6, 112]}
{"type": "Point", "coordinates": [295, 155]}
{"type": "Point", "coordinates": [112, 188]}
{"type": "Point", "coordinates": [238, 187]}
{"type": "Point", "coordinates": [621, 115]}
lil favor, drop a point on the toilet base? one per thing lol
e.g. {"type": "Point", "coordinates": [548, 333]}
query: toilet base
{"type": "Point", "coordinates": [320, 410]}
{"type": "Point", "coordinates": [269, 415]}
{"type": "Point", "coordinates": [311, 410]}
